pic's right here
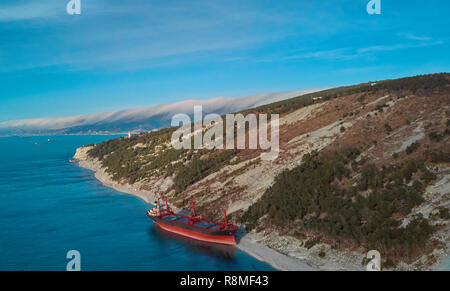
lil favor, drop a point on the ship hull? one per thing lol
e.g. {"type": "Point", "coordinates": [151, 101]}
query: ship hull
{"type": "Point", "coordinates": [219, 236]}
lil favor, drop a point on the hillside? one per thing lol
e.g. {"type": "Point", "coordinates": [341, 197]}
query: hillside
{"type": "Point", "coordinates": [360, 167]}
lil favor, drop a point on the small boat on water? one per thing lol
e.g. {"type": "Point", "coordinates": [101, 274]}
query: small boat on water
{"type": "Point", "coordinates": [192, 226]}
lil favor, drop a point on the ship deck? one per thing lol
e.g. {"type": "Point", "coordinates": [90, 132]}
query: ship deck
{"type": "Point", "coordinates": [186, 220]}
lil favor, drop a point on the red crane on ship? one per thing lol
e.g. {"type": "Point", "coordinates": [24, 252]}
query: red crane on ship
{"type": "Point", "coordinates": [194, 226]}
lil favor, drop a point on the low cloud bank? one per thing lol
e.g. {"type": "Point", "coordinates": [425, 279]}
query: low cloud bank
{"type": "Point", "coordinates": [138, 119]}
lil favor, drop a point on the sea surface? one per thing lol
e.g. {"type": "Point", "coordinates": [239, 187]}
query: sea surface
{"type": "Point", "coordinates": [444, 266]}
{"type": "Point", "coordinates": [49, 206]}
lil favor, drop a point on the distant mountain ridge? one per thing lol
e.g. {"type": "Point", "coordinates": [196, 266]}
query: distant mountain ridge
{"type": "Point", "coordinates": [139, 120]}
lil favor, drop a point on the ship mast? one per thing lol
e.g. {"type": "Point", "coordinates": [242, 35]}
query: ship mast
{"type": "Point", "coordinates": [226, 219]}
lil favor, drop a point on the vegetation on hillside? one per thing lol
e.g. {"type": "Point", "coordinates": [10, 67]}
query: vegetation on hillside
{"type": "Point", "coordinates": [310, 198]}
{"type": "Point", "coordinates": [150, 154]}
{"type": "Point", "coordinates": [411, 84]}
{"type": "Point", "coordinates": [332, 195]}
{"type": "Point", "coordinates": [140, 156]}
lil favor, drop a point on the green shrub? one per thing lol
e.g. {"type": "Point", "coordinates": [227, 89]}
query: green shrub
{"type": "Point", "coordinates": [388, 128]}
{"type": "Point", "coordinates": [440, 157]}
{"type": "Point", "coordinates": [412, 148]}
{"type": "Point", "coordinates": [434, 136]}
{"type": "Point", "coordinates": [444, 213]}
{"type": "Point", "coordinates": [388, 264]}
{"type": "Point", "coordinates": [308, 191]}
{"type": "Point", "coordinates": [312, 242]}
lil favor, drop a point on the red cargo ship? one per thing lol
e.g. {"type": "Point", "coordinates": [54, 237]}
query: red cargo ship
{"type": "Point", "coordinates": [193, 226]}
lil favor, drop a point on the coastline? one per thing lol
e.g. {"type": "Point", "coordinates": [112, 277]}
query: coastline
{"type": "Point", "coordinates": [282, 253]}
{"type": "Point", "coordinates": [101, 175]}
{"type": "Point", "coordinates": [247, 244]}
{"type": "Point", "coordinates": [270, 256]}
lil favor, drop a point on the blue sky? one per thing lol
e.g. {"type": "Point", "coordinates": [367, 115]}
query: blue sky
{"type": "Point", "coordinates": [125, 54]}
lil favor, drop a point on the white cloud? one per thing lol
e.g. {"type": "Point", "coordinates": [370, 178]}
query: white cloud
{"type": "Point", "coordinates": [220, 105]}
{"type": "Point", "coordinates": [325, 54]}
{"type": "Point", "coordinates": [351, 53]}
{"type": "Point", "coordinates": [126, 36]}
{"type": "Point", "coordinates": [30, 10]}
{"type": "Point", "coordinates": [380, 48]}
{"type": "Point", "coordinates": [415, 37]}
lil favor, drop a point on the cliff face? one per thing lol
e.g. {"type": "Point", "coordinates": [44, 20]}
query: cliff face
{"type": "Point", "coordinates": [385, 146]}
{"type": "Point", "coordinates": [101, 174]}
{"type": "Point", "coordinates": [81, 154]}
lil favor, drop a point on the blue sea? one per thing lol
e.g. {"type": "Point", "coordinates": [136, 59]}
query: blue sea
{"type": "Point", "coordinates": [444, 266]}
{"type": "Point", "coordinates": [50, 206]}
